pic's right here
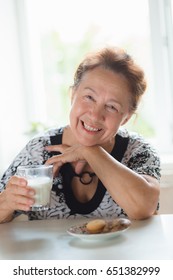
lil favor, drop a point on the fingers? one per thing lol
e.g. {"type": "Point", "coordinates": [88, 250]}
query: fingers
{"type": "Point", "coordinates": [79, 166]}
{"type": "Point", "coordinates": [53, 160]}
{"type": "Point", "coordinates": [56, 168]}
{"type": "Point", "coordinates": [18, 185]}
{"type": "Point", "coordinates": [14, 202]}
{"type": "Point", "coordinates": [56, 148]}
{"type": "Point", "coordinates": [57, 163]}
{"type": "Point", "coordinates": [56, 160]}
{"type": "Point", "coordinates": [17, 180]}
{"type": "Point", "coordinates": [69, 154]}
{"type": "Point", "coordinates": [17, 195]}
{"type": "Point", "coordinates": [23, 203]}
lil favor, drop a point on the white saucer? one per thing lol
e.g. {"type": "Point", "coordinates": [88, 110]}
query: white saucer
{"type": "Point", "coordinates": [80, 231]}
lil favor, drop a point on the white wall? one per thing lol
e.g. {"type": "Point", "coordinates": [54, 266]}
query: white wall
{"type": "Point", "coordinates": [12, 108]}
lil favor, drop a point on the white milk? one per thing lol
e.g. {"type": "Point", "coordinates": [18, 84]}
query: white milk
{"type": "Point", "coordinates": [42, 186]}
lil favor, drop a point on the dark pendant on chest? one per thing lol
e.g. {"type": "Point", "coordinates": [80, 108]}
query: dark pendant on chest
{"type": "Point", "coordinates": [85, 177]}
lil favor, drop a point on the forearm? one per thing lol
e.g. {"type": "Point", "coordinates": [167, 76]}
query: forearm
{"type": "Point", "coordinates": [136, 195]}
{"type": "Point", "coordinates": [6, 215]}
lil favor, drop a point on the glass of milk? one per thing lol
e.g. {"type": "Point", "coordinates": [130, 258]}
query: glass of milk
{"type": "Point", "coordinates": [40, 178]}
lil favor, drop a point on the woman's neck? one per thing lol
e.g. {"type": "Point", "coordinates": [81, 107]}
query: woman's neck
{"type": "Point", "coordinates": [68, 137]}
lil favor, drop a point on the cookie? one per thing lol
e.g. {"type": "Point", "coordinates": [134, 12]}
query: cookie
{"type": "Point", "coordinates": [95, 226]}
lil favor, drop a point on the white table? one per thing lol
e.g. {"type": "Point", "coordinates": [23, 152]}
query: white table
{"type": "Point", "coordinates": [150, 239]}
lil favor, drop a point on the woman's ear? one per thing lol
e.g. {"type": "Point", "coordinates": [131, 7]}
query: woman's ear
{"type": "Point", "coordinates": [72, 91]}
{"type": "Point", "coordinates": [124, 121]}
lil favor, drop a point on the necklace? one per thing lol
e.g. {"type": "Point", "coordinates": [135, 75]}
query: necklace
{"type": "Point", "coordinates": [85, 177]}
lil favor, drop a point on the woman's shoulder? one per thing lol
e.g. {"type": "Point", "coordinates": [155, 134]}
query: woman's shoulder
{"type": "Point", "coordinates": [139, 146]}
{"type": "Point", "coordinates": [133, 136]}
{"type": "Point", "coordinates": [53, 131]}
{"type": "Point", "coordinates": [34, 150]}
{"type": "Point", "coordinates": [45, 136]}
{"type": "Point", "coordinates": [141, 155]}
{"type": "Point", "coordinates": [136, 140]}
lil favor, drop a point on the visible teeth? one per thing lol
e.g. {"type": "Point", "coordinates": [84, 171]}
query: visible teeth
{"type": "Point", "coordinates": [90, 128]}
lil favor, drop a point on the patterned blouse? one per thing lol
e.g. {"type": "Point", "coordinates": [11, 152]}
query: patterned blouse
{"type": "Point", "coordinates": [138, 155]}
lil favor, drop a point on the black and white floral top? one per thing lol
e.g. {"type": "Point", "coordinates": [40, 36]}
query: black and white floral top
{"type": "Point", "coordinates": [138, 155]}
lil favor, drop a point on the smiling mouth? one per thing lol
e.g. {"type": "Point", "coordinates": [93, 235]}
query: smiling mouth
{"type": "Point", "coordinates": [90, 128]}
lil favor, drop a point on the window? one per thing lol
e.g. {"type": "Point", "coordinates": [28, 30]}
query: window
{"type": "Point", "coordinates": [162, 60]}
{"type": "Point", "coordinates": [59, 34]}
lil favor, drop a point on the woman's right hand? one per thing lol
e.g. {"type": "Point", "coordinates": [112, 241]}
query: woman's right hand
{"type": "Point", "coordinates": [16, 196]}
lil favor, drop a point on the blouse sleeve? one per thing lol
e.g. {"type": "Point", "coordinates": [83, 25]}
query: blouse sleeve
{"type": "Point", "coordinates": [142, 158]}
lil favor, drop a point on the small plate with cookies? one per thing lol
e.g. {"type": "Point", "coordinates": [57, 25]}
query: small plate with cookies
{"type": "Point", "coordinates": [100, 229]}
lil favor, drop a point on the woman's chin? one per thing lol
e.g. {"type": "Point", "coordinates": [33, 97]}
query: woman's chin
{"type": "Point", "coordinates": [86, 142]}
{"type": "Point", "coordinates": [87, 138]}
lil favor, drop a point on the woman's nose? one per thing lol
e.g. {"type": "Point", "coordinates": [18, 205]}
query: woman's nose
{"type": "Point", "coordinates": [97, 113]}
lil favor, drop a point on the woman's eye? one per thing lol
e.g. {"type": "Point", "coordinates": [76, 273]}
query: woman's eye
{"type": "Point", "coordinates": [111, 108]}
{"type": "Point", "coordinates": [89, 97]}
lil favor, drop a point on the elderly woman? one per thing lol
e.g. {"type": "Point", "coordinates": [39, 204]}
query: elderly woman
{"type": "Point", "coordinates": [100, 169]}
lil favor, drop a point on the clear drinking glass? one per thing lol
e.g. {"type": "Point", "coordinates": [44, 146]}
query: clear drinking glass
{"type": "Point", "coordinates": [40, 178]}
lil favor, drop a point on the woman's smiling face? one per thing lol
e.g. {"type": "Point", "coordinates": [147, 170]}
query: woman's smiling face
{"type": "Point", "coordinates": [100, 104]}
